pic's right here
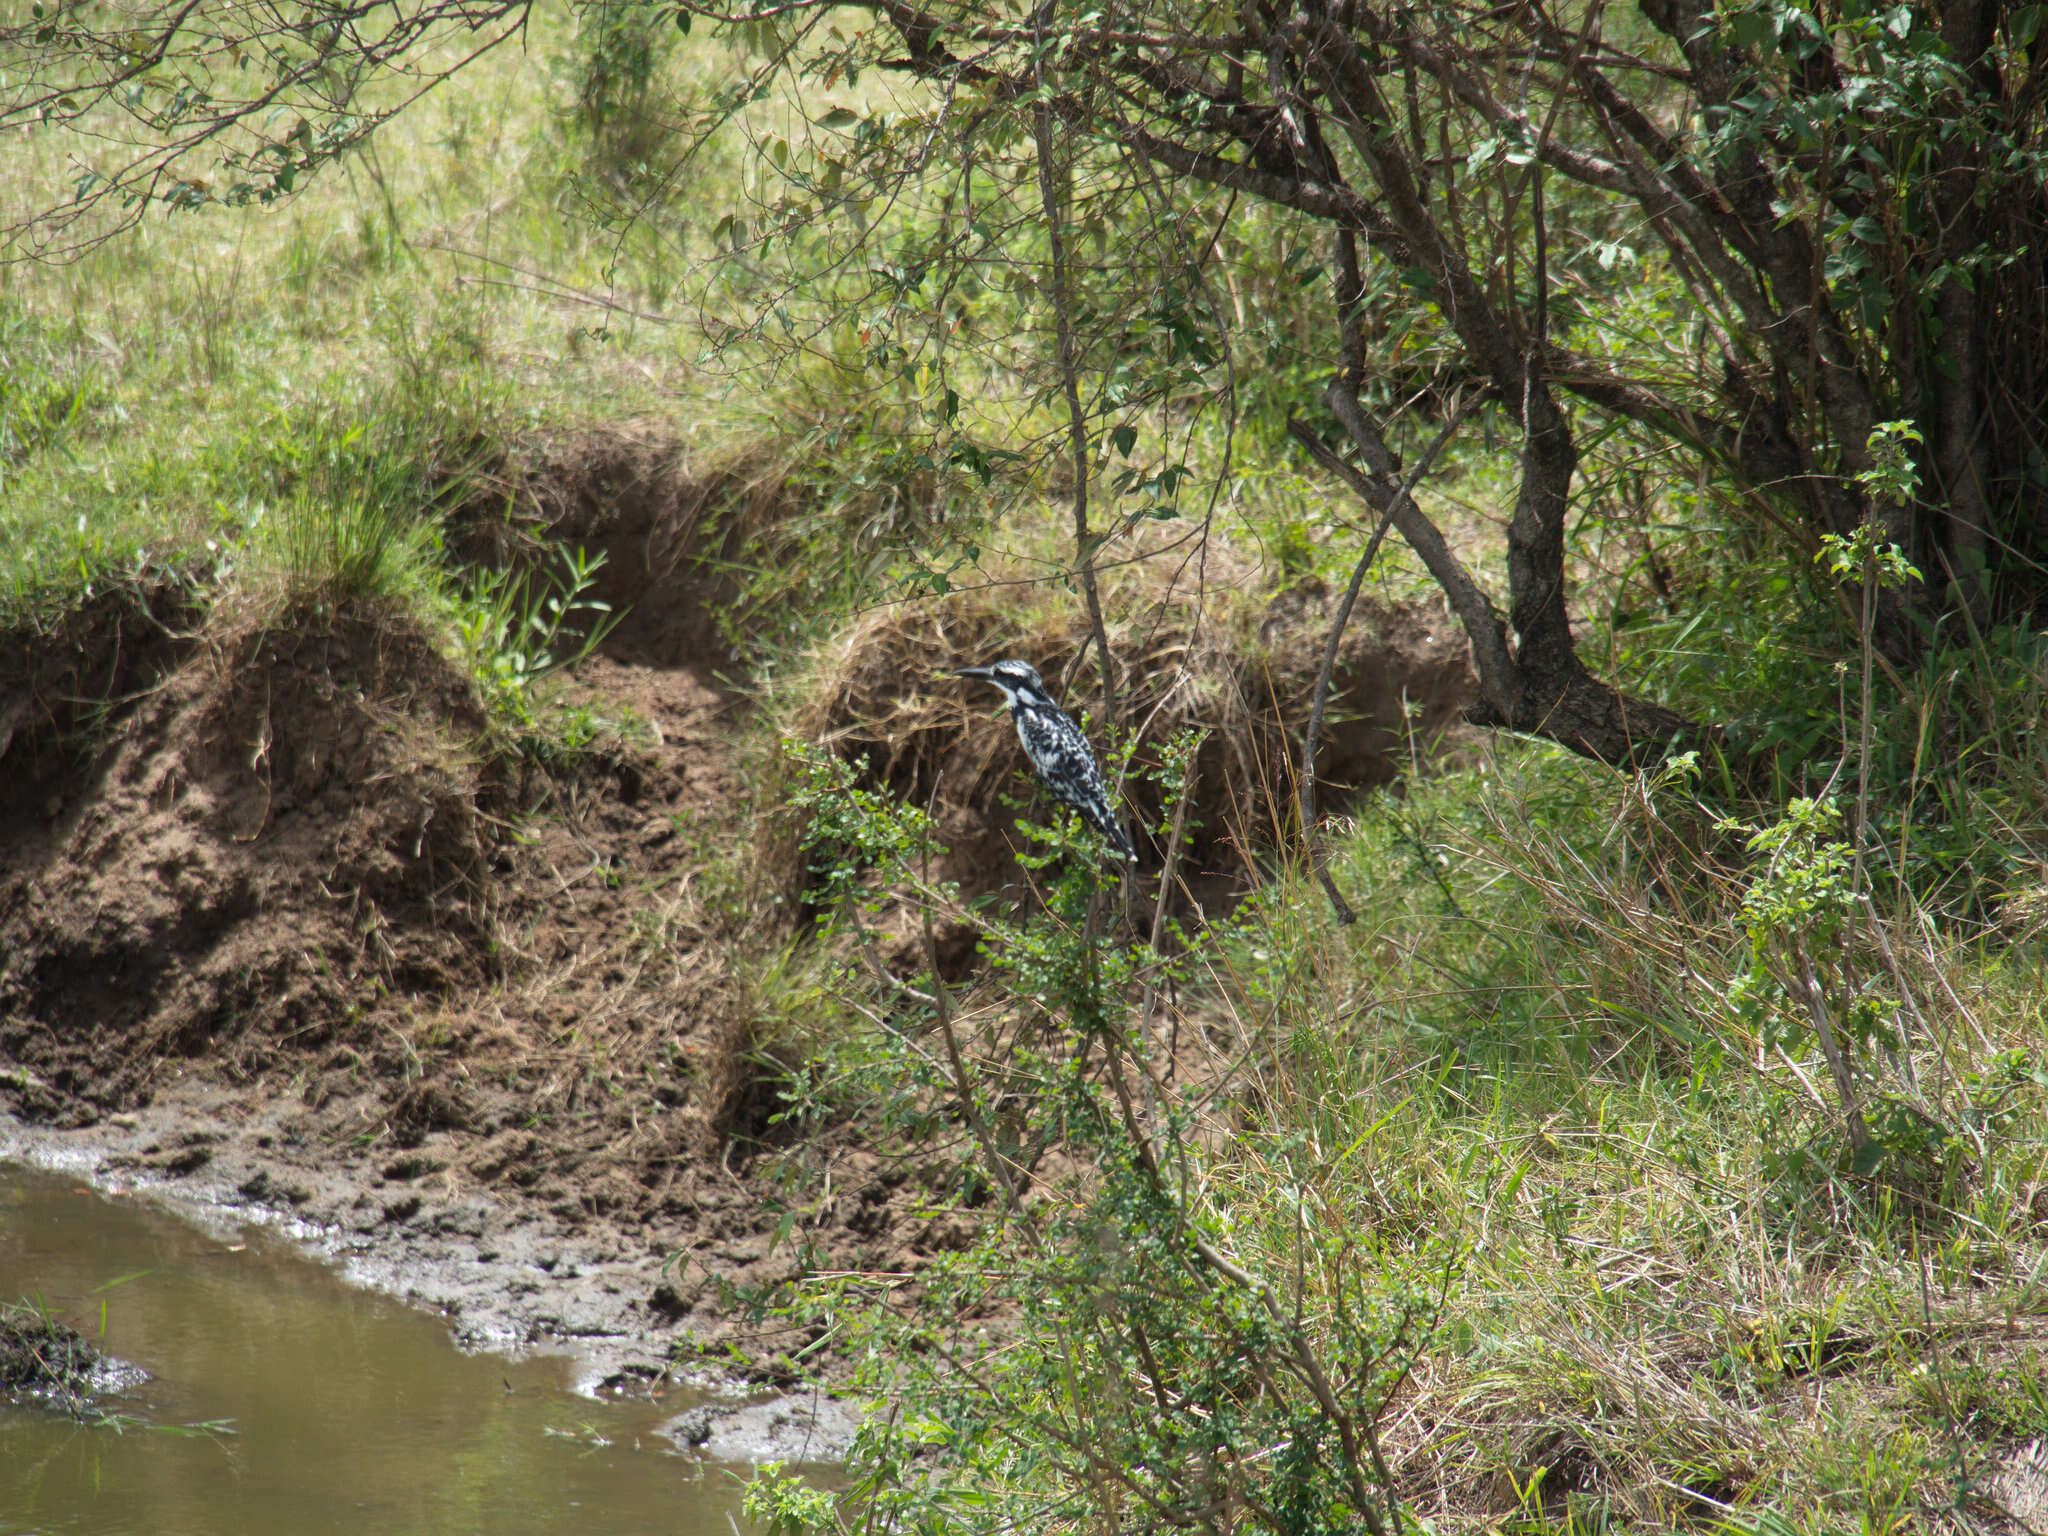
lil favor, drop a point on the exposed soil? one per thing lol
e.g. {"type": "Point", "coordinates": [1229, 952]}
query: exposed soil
{"type": "Point", "coordinates": [279, 931]}
{"type": "Point", "coordinates": [1196, 652]}
{"type": "Point", "coordinates": [47, 1362]}
{"type": "Point", "coordinates": [282, 827]}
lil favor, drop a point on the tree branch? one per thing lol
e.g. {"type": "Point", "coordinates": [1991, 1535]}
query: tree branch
{"type": "Point", "coordinates": [1306, 780]}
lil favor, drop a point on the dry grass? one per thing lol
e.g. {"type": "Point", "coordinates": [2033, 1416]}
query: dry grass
{"type": "Point", "coordinates": [1200, 648]}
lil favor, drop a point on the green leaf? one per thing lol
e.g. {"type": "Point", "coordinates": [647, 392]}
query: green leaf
{"type": "Point", "coordinates": [683, 22]}
{"type": "Point", "coordinates": [1753, 29]}
{"type": "Point", "coordinates": [838, 117]}
{"type": "Point", "coordinates": [1123, 440]}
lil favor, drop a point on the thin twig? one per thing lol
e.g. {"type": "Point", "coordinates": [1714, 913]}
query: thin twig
{"type": "Point", "coordinates": [1167, 876]}
{"type": "Point", "coordinates": [963, 1084]}
{"type": "Point", "coordinates": [1830, 1048]}
{"type": "Point", "coordinates": [1070, 387]}
{"type": "Point", "coordinates": [1306, 787]}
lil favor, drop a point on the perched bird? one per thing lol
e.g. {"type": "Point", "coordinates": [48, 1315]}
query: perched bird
{"type": "Point", "coordinates": [1059, 753]}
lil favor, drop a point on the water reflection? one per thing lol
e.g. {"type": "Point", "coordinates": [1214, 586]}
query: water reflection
{"type": "Point", "coordinates": [350, 1413]}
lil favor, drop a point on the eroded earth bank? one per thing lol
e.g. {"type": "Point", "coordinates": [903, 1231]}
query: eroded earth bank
{"type": "Point", "coordinates": [290, 927]}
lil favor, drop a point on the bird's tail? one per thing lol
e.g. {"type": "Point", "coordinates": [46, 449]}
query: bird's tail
{"type": "Point", "coordinates": [1114, 833]}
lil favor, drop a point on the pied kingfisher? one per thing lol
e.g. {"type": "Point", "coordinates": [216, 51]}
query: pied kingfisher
{"type": "Point", "coordinates": [1058, 751]}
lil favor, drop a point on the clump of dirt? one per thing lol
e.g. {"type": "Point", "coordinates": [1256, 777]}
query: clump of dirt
{"type": "Point", "coordinates": [44, 1360]}
{"type": "Point", "coordinates": [282, 827]}
{"type": "Point", "coordinates": [1242, 675]}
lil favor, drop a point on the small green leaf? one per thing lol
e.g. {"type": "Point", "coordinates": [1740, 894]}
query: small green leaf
{"type": "Point", "coordinates": [1753, 29]}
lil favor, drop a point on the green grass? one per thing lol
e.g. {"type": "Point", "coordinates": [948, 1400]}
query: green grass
{"type": "Point", "coordinates": [1527, 1048]}
{"type": "Point", "coordinates": [473, 276]}
{"type": "Point", "coordinates": [159, 391]}
{"type": "Point", "coordinates": [1663, 1294]}
{"type": "Point", "coordinates": [282, 405]}
{"type": "Point", "coordinates": [1672, 1303]}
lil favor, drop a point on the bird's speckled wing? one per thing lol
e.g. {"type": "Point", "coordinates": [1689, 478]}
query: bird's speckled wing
{"type": "Point", "coordinates": [1065, 762]}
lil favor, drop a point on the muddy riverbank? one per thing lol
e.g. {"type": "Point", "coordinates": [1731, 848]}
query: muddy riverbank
{"type": "Point", "coordinates": [291, 931]}
{"type": "Point", "coordinates": [504, 1276]}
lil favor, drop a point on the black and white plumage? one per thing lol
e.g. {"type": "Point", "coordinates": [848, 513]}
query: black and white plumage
{"type": "Point", "coordinates": [1059, 753]}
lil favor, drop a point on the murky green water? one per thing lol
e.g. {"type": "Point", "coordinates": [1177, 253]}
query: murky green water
{"type": "Point", "coordinates": [347, 1411]}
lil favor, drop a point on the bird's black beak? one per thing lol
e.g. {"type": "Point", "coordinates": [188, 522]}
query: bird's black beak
{"type": "Point", "coordinates": [983, 672]}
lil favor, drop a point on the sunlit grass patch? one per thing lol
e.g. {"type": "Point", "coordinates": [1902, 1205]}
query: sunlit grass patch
{"type": "Point", "coordinates": [1674, 1303]}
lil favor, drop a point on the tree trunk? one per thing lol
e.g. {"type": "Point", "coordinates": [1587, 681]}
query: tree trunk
{"type": "Point", "coordinates": [1568, 705]}
{"type": "Point", "coordinates": [1534, 683]}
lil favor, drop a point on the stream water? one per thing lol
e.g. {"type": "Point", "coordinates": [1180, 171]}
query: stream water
{"type": "Point", "coordinates": [333, 1409]}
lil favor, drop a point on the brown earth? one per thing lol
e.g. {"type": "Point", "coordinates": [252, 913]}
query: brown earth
{"type": "Point", "coordinates": [279, 927]}
{"type": "Point", "coordinates": [1197, 652]}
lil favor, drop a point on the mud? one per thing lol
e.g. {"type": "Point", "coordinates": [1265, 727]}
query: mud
{"type": "Point", "coordinates": [281, 826]}
{"type": "Point", "coordinates": [286, 935]}
{"type": "Point", "coordinates": [46, 1363]}
{"type": "Point", "coordinates": [800, 1427]}
{"type": "Point", "coordinates": [505, 1276]}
